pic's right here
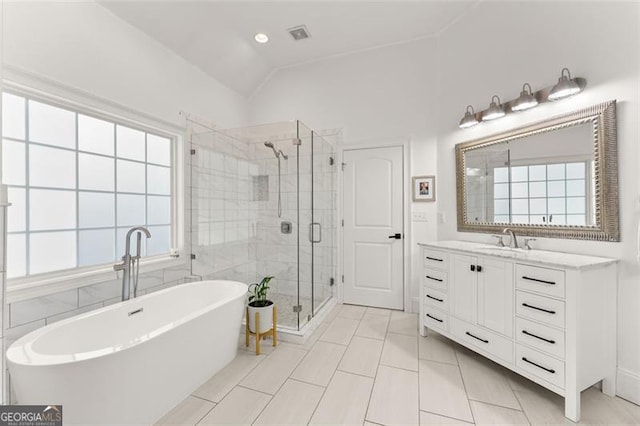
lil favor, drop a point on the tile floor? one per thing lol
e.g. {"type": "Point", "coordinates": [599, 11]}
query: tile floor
{"type": "Point", "coordinates": [367, 366]}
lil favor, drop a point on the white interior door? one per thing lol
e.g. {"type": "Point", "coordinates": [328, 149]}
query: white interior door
{"type": "Point", "coordinates": [373, 217]}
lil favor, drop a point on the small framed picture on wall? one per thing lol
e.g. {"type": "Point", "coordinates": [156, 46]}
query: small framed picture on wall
{"type": "Point", "coordinates": [424, 188]}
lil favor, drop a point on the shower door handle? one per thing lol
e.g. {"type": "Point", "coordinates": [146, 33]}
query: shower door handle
{"type": "Point", "coordinates": [312, 233]}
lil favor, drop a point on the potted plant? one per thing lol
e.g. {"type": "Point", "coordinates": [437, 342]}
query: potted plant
{"type": "Point", "coordinates": [258, 302]}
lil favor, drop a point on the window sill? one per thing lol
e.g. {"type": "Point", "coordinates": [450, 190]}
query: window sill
{"type": "Point", "coordinates": [31, 287]}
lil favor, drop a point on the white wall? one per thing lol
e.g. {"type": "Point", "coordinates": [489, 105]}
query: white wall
{"type": "Point", "coordinates": [532, 42]}
{"type": "Point", "coordinates": [419, 90]}
{"type": "Point", "coordinates": [379, 96]}
{"type": "Point", "coordinates": [83, 45]}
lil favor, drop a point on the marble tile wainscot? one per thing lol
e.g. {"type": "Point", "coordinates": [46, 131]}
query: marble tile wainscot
{"type": "Point", "coordinates": [548, 316]}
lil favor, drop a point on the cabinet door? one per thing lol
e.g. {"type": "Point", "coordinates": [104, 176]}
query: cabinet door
{"type": "Point", "coordinates": [495, 295]}
{"type": "Point", "coordinates": [463, 288]}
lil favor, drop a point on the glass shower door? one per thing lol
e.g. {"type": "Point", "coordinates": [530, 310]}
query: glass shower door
{"type": "Point", "coordinates": [323, 228]}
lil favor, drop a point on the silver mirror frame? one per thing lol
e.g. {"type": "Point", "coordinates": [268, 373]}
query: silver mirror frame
{"type": "Point", "coordinates": [605, 149]}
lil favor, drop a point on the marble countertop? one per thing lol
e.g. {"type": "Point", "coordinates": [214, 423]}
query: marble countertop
{"type": "Point", "coordinates": [542, 257]}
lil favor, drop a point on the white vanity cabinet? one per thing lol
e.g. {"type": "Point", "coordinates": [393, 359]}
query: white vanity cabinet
{"type": "Point", "coordinates": [548, 316]}
{"type": "Point", "coordinates": [482, 292]}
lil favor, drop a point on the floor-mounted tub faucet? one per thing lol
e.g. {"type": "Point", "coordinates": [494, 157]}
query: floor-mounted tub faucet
{"type": "Point", "coordinates": [131, 264]}
{"type": "Point", "coordinates": [513, 242]}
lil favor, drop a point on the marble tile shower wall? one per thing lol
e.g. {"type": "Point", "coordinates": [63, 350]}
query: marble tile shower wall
{"type": "Point", "coordinates": [276, 252]}
{"type": "Point", "coordinates": [224, 213]}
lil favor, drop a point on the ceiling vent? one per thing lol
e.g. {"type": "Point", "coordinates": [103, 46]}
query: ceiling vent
{"type": "Point", "coordinates": [299, 33]}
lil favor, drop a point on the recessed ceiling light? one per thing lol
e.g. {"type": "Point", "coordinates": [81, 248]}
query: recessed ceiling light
{"type": "Point", "coordinates": [261, 38]}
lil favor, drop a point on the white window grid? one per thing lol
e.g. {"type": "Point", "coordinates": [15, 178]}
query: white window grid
{"type": "Point", "coordinates": [77, 191]}
{"type": "Point", "coordinates": [565, 218]}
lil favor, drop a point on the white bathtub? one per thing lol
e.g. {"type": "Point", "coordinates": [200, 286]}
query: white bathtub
{"type": "Point", "coordinates": [112, 366]}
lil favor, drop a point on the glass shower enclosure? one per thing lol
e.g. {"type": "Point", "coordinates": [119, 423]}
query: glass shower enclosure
{"type": "Point", "coordinates": [263, 202]}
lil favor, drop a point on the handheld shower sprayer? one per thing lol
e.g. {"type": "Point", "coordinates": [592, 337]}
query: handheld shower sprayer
{"type": "Point", "coordinates": [270, 145]}
{"type": "Point", "coordinates": [279, 154]}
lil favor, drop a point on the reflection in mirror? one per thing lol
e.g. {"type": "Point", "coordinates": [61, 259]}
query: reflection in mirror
{"type": "Point", "coordinates": [545, 178]}
{"type": "Point", "coordinates": [557, 178]}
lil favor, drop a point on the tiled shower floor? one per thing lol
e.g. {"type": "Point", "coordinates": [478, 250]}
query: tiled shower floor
{"type": "Point", "coordinates": [367, 366]}
{"type": "Point", "coordinates": [285, 304]}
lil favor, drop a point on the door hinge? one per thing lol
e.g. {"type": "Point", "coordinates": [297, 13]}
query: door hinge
{"type": "Point", "coordinates": [297, 308]}
{"type": "Point", "coordinates": [343, 279]}
{"type": "Point", "coordinates": [331, 282]}
{"type": "Point", "coordinates": [343, 164]}
{"type": "Point", "coordinates": [193, 256]}
{"type": "Point", "coordinates": [193, 152]}
{"type": "Point", "coordinates": [342, 223]}
{"type": "Point", "coordinates": [331, 161]}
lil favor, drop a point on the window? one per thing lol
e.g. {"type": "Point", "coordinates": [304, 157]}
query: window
{"type": "Point", "coordinates": [77, 183]}
{"type": "Point", "coordinates": [542, 193]}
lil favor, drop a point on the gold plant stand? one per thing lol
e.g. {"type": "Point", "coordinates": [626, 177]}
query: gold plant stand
{"type": "Point", "coordinates": [271, 332]}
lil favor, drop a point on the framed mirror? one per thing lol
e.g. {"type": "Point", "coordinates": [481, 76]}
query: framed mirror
{"type": "Point", "coordinates": [557, 178]}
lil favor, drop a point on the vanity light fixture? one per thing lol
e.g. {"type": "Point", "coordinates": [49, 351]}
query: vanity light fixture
{"type": "Point", "coordinates": [469, 118]}
{"type": "Point", "coordinates": [494, 111]}
{"type": "Point", "coordinates": [261, 38]}
{"type": "Point", "coordinates": [566, 86]}
{"type": "Point", "coordinates": [526, 99]}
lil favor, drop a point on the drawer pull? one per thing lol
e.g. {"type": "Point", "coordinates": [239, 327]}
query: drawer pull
{"type": "Point", "coordinates": [539, 280]}
{"type": "Point", "coordinates": [550, 370]}
{"type": "Point", "coordinates": [434, 279]}
{"type": "Point", "coordinates": [476, 337]}
{"type": "Point", "coordinates": [434, 318]}
{"type": "Point", "coordinates": [553, 342]}
{"type": "Point", "coordinates": [433, 258]}
{"type": "Point", "coordinates": [526, 305]}
{"type": "Point", "coordinates": [435, 298]}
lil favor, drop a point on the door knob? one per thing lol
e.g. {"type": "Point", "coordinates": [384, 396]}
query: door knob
{"type": "Point", "coordinates": [396, 236]}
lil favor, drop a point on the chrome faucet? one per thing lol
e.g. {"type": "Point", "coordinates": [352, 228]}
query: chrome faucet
{"type": "Point", "coordinates": [513, 242]}
{"type": "Point", "coordinates": [131, 264]}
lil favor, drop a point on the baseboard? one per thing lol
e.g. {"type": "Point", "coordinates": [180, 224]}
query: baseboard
{"type": "Point", "coordinates": [628, 385]}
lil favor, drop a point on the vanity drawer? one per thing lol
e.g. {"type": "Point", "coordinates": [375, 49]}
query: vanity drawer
{"type": "Point", "coordinates": [436, 299]}
{"type": "Point", "coordinates": [480, 338]}
{"type": "Point", "coordinates": [540, 308]}
{"type": "Point", "coordinates": [435, 279]}
{"type": "Point", "coordinates": [435, 259]}
{"type": "Point", "coordinates": [542, 337]}
{"type": "Point", "coordinates": [541, 280]}
{"type": "Point", "coordinates": [435, 318]}
{"type": "Point", "coordinates": [540, 365]}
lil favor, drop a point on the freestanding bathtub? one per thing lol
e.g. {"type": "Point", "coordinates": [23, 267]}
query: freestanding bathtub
{"type": "Point", "coordinates": [131, 362]}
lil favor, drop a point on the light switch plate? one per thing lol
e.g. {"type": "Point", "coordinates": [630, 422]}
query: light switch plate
{"type": "Point", "coordinates": [419, 216]}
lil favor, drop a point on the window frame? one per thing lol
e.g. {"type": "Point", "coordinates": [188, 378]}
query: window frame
{"type": "Point", "coordinates": [25, 287]}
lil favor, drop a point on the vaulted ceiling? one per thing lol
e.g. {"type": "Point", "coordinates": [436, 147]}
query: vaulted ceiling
{"type": "Point", "coordinates": [217, 36]}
